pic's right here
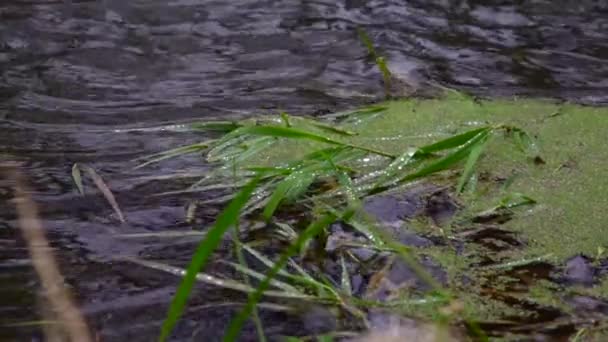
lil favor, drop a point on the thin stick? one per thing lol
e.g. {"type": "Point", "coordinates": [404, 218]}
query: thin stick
{"type": "Point", "coordinates": [44, 261]}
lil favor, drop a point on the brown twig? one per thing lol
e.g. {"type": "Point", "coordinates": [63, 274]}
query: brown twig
{"type": "Point", "coordinates": [43, 260]}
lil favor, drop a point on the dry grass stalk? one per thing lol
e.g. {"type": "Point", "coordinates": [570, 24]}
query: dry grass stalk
{"type": "Point", "coordinates": [44, 261]}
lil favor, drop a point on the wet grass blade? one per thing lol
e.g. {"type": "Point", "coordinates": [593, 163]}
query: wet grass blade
{"type": "Point", "coordinates": [321, 289]}
{"type": "Point", "coordinates": [305, 279]}
{"type": "Point", "coordinates": [358, 115]}
{"type": "Point", "coordinates": [277, 196]}
{"type": "Point", "coordinates": [287, 132]}
{"type": "Point", "coordinates": [523, 141]}
{"type": "Point", "coordinates": [225, 145]}
{"type": "Point", "coordinates": [259, 276]}
{"type": "Point", "coordinates": [215, 281]}
{"type": "Point", "coordinates": [294, 133]}
{"type": "Point", "coordinates": [173, 153]}
{"type": "Point", "coordinates": [516, 199]}
{"type": "Point", "coordinates": [313, 229]}
{"type": "Point", "coordinates": [77, 177]}
{"type": "Point", "coordinates": [285, 119]}
{"type": "Point", "coordinates": [395, 167]}
{"type": "Point", "coordinates": [286, 231]}
{"type": "Point", "coordinates": [325, 338]}
{"type": "Point", "coordinates": [301, 183]}
{"type": "Point", "coordinates": [449, 160]}
{"type": "Point", "coordinates": [367, 42]}
{"type": "Point", "coordinates": [267, 262]}
{"type": "Point", "coordinates": [294, 185]}
{"type": "Point", "coordinates": [255, 147]}
{"type": "Point", "coordinates": [469, 167]}
{"type": "Point", "coordinates": [216, 126]}
{"type": "Point", "coordinates": [238, 249]}
{"type": "Point", "coordinates": [165, 234]}
{"type": "Point", "coordinates": [519, 263]}
{"type": "Point", "coordinates": [349, 191]}
{"type": "Point", "coordinates": [229, 216]}
{"type": "Point", "coordinates": [452, 142]}
{"type": "Point", "coordinates": [289, 188]}
{"type": "Point", "coordinates": [379, 60]}
{"type": "Point", "coordinates": [464, 142]}
{"type": "Point", "coordinates": [327, 127]}
{"type": "Point", "coordinates": [105, 190]}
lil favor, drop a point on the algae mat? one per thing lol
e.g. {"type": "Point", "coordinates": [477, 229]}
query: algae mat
{"type": "Point", "coordinates": [567, 179]}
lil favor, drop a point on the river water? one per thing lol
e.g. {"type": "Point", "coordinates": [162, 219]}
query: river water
{"type": "Point", "coordinates": [101, 82]}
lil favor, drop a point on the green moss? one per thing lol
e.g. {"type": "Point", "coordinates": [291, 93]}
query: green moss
{"type": "Point", "coordinates": [570, 187]}
{"type": "Point", "coordinates": [599, 290]}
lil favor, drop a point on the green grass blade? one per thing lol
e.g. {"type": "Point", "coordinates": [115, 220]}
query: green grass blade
{"type": "Point", "coordinates": [395, 167]}
{"type": "Point", "coordinates": [294, 133]}
{"type": "Point", "coordinates": [226, 144]}
{"type": "Point", "coordinates": [77, 177]}
{"type": "Point", "coordinates": [519, 263]}
{"type": "Point", "coordinates": [229, 216]}
{"type": "Point", "coordinates": [220, 282]}
{"type": "Point", "coordinates": [386, 73]}
{"type": "Point", "coordinates": [263, 259]}
{"type": "Point", "coordinates": [287, 132]}
{"type": "Point", "coordinates": [305, 279]}
{"type": "Point", "coordinates": [524, 142]}
{"type": "Point", "coordinates": [325, 338]}
{"type": "Point", "coordinates": [294, 185]}
{"type": "Point", "coordinates": [254, 148]}
{"type": "Point", "coordinates": [321, 290]}
{"type": "Point", "coordinates": [469, 167]}
{"type": "Point", "coordinates": [217, 126]}
{"type": "Point", "coordinates": [278, 196]}
{"type": "Point", "coordinates": [173, 153]}
{"type": "Point", "coordinates": [238, 248]}
{"type": "Point", "coordinates": [302, 271]}
{"type": "Point", "coordinates": [286, 231]}
{"type": "Point", "coordinates": [451, 142]}
{"type": "Point", "coordinates": [301, 185]}
{"type": "Point", "coordinates": [359, 115]}
{"type": "Point", "coordinates": [367, 42]}
{"type": "Point", "coordinates": [349, 191]}
{"type": "Point", "coordinates": [329, 128]}
{"type": "Point", "coordinates": [293, 339]}
{"type": "Point", "coordinates": [516, 199]}
{"type": "Point", "coordinates": [449, 160]}
{"type": "Point", "coordinates": [259, 276]}
{"type": "Point", "coordinates": [285, 119]}
{"type": "Point", "coordinates": [313, 229]}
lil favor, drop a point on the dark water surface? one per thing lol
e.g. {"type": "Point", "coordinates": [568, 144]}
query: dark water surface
{"type": "Point", "coordinates": [103, 82]}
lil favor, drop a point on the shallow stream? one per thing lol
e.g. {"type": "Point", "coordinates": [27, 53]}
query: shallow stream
{"type": "Point", "coordinates": [103, 82]}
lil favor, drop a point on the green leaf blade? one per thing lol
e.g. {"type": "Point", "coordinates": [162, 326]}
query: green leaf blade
{"type": "Point", "coordinates": [469, 167]}
{"type": "Point", "coordinates": [229, 216]}
{"type": "Point", "coordinates": [313, 229]}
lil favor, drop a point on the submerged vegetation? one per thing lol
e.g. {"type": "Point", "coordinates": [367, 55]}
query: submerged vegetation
{"type": "Point", "coordinates": [516, 199]}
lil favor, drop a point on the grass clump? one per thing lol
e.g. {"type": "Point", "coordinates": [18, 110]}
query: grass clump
{"type": "Point", "coordinates": [323, 167]}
